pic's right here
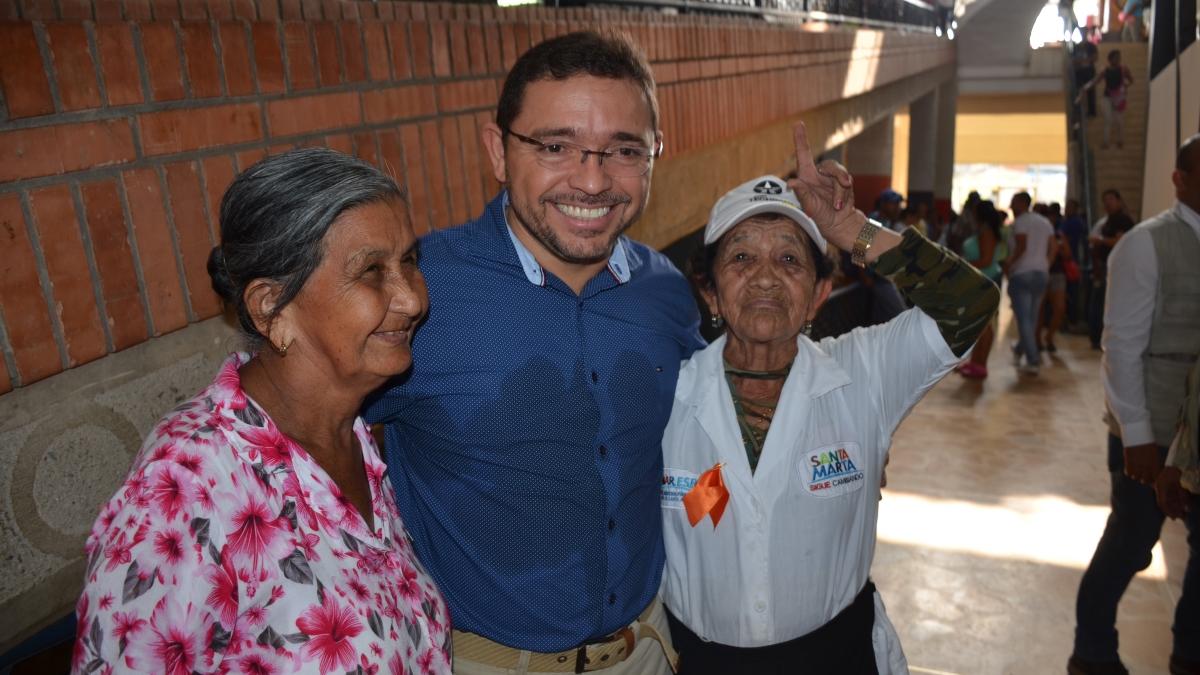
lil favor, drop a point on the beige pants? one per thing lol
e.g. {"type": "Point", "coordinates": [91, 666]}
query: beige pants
{"type": "Point", "coordinates": [647, 657]}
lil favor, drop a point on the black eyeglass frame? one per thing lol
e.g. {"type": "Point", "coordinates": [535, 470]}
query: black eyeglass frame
{"type": "Point", "coordinates": [601, 155]}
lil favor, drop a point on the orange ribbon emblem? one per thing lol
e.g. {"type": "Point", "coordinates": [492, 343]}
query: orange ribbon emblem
{"type": "Point", "coordinates": [708, 496]}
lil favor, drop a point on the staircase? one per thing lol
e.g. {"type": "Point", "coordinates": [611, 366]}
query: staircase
{"type": "Point", "coordinates": [1122, 168]}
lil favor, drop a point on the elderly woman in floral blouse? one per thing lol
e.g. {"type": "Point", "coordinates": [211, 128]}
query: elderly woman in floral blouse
{"type": "Point", "coordinates": [256, 531]}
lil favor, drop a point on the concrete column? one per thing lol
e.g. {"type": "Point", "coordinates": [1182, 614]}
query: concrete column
{"type": "Point", "coordinates": [922, 148]}
{"type": "Point", "coordinates": [943, 168]}
{"type": "Point", "coordinates": [869, 159]}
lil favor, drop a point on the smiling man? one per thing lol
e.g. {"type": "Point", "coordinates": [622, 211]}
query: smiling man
{"type": "Point", "coordinates": [525, 443]}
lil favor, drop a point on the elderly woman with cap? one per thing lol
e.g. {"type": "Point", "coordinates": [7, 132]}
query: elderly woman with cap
{"type": "Point", "coordinates": [257, 531]}
{"type": "Point", "coordinates": [775, 448]}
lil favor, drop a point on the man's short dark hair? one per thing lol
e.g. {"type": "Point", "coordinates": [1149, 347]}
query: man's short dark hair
{"type": "Point", "coordinates": [1188, 158]}
{"type": "Point", "coordinates": [1111, 191]}
{"type": "Point", "coordinates": [609, 55]}
{"type": "Point", "coordinates": [1023, 197]}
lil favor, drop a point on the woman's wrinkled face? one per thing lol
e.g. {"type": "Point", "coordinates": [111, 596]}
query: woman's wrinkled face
{"type": "Point", "coordinates": [356, 314]}
{"type": "Point", "coordinates": [765, 280]}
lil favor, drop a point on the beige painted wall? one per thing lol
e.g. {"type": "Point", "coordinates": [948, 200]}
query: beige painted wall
{"type": "Point", "coordinates": [1024, 129]}
{"type": "Point", "coordinates": [1158, 193]}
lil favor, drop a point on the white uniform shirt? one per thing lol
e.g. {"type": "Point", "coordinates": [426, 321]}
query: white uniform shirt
{"type": "Point", "coordinates": [795, 544]}
{"type": "Point", "coordinates": [1128, 314]}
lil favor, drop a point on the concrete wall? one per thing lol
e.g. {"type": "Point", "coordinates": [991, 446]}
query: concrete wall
{"type": "Point", "coordinates": [121, 122]}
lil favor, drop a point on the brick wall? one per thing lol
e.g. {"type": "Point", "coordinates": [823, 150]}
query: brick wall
{"type": "Point", "coordinates": [122, 122]}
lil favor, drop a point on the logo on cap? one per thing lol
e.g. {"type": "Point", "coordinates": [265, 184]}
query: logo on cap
{"type": "Point", "coordinates": [768, 187]}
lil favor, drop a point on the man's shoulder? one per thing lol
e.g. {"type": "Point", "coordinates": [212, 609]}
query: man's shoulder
{"type": "Point", "coordinates": [650, 264]}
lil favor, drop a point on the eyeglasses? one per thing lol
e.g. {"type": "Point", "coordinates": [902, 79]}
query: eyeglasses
{"type": "Point", "coordinates": [618, 161]}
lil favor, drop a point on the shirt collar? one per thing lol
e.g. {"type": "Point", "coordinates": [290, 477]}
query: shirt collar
{"type": "Point", "coordinates": [1188, 215]}
{"type": "Point", "coordinates": [618, 262]}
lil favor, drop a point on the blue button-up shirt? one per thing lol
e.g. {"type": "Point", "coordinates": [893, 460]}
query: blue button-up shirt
{"type": "Point", "coordinates": [525, 442]}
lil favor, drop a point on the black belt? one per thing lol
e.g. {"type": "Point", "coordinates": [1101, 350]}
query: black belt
{"type": "Point", "coordinates": [843, 646]}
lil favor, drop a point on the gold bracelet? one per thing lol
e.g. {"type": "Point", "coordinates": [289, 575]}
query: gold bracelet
{"type": "Point", "coordinates": [858, 254]}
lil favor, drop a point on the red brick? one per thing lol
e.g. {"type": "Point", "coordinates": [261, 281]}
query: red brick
{"type": "Point", "coordinates": [465, 94]}
{"type": "Point", "coordinates": [47, 151]}
{"type": "Point", "coordinates": [460, 50]}
{"type": "Point", "coordinates": [325, 38]}
{"type": "Point", "coordinates": [422, 57]}
{"type": "Point", "coordinates": [364, 148]}
{"type": "Point", "coordinates": [75, 73]}
{"type": "Point", "coordinates": [311, 9]}
{"type": "Point", "coordinates": [522, 34]}
{"type": "Point", "coordinates": [218, 174]}
{"type": "Point", "coordinates": [472, 164]}
{"type": "Point", "coordinates": [341, 142]}
{"type": "Point", "coordinates": [203, 72]}
{"type": "Point", "coordinates": [352, 46]}
{"type": "Point", "coordinates": [332, 9]}
{"type": "Point", "coordinates": [194, 10]}
{"type": "Point", "coordinates": [440, 43]}
{"type": "Point", "coordinates": [477, 49]}
{"type": "Point", "coordinates": [387, 105]}
{"type": "Point", "coordinates": [492, 49]}
{"type": "Point", "coordinates": [456, 180]}
{"type": "Point", "coordinates": [375, 39]}
{"type": "Point", "coordinates": [22, 76]}
{"type": "Point", "coordinates": [6, 384]}
{"type": "Point", "coordinates": [414, 179]}
{"type": "Point", "coordinates": [398, 41]}
{"type": "Point", "coordinates": [118, 62]}
{"type": "Point", "coordinates": [268, 10]}
{"type": "Point", "coordinates": [108, 10]}
{"type": "Point", "coordinates": [152, 239]}
{"type": "Point", "coordinates": [301, 73]}
{"type": "Point", "coordinates": [508, 47]}
{"type": "Point", "coordinates": [161, 48]}
{"type": "Point", "coordinates": [289, 10]}
{"type": "Point", "coordinates": [10, 10]}
{"type": "Point", "coordinates": [350, 11]}
{"type": "Point", "coordinates": [220, 10]}
{"type": "Point", "coordinates": [34, 10]}
{"type": "Point", "coordinates": [313, 113]}
{"type": "Point", "coordinates": [192, 232]}
{"type": "Point", "coordinates": [26, 317]}
{"type": "Point", "coordinates": [268, 59]}
{"type": "Point", "coordinates": [431, 154]}
{"type": "Point", "coordinates": [138, 10]}
{"type": "Point", "coordinates": [67, 267]}
{"type": "Point", "coordinates": [386, 10]}
{"type": "Point", "coordinates": [123, 306]}
{"type": "Point", "coordinates": [235, 59]}
{"type": "Point", "coordinates": [165, 10]}
{"type": "Point", "coordinates": [491, 186]}
{"type": "Point", "coordinates": [246, 10]}
{"type": "Point", "coordinates": [248, 158]}
{"type": "Point", "coordinates": [172, 131]}
{"type": "Point", "coordinates": [75, 10]}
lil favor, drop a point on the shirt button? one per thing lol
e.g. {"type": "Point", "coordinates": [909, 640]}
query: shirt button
{"type": "Point", "coordinates": [603, 451]}
{"type": "Point", "coordinates": [612, 598]}
{"type": "Point", "coordinates": [612, 524]}
{"type": "Point", "coordinates": [760, 606]}
{"type": "Point", "coordinates": [595, 376]}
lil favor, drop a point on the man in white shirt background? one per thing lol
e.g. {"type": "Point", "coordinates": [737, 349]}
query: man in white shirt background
{"type": "Point", "coordinates": [1103, 236]}
{"type": "Point", "coordinates": [1028, 270]}
{"type": "Point", "coordinates": [1151, 339]}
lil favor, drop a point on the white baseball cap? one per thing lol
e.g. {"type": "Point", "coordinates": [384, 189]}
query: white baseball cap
{"type": "Point", "coordinates": [765, 194]}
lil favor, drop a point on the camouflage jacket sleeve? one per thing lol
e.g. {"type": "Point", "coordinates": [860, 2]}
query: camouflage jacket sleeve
{"type": "Point", "coordinates": [947, 288]}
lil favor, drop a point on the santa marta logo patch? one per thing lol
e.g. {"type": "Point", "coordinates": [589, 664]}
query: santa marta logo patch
{"type": "Point", "coordinates": [833, 470]}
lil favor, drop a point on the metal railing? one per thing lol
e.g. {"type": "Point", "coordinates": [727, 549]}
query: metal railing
{"type": "Point", "coordinates": [895, 14]}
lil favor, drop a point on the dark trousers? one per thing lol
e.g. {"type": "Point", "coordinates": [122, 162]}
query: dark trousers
{"type": "Point", "coordinates": [1096, 311]}
{"type": "Point", "coordinates": [1124, 550]}
{"type": "Point", "coordinates": [841, 647]}
{"type": "Point", "coordinates": [1082, 77]}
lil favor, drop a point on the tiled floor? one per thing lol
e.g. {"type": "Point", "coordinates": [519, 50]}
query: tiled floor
{"type": "Point", "coordinates": [997, 495]}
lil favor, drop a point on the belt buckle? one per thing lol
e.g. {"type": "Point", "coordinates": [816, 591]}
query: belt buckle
{"type": "Point", "coordinates": [581, 656]}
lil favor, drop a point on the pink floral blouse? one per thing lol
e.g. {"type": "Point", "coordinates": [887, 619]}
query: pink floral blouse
{"type": "Point", "coordinates": [230, 550]}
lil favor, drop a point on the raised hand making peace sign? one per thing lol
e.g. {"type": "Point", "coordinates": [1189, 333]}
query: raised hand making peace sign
{"type": "Point", "coordinates": [826, 191]}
